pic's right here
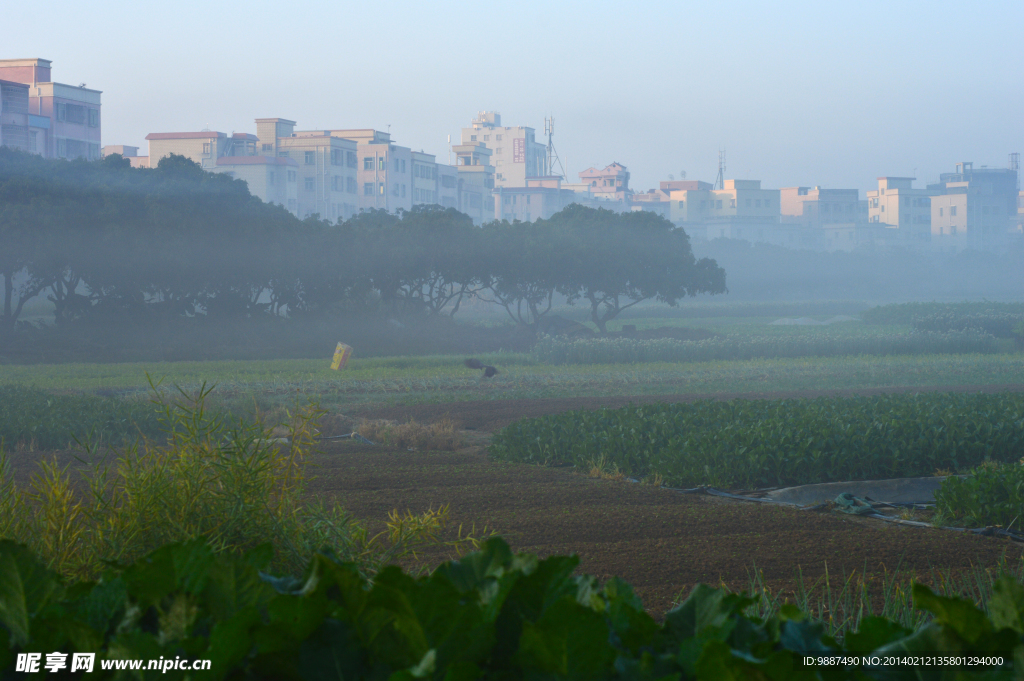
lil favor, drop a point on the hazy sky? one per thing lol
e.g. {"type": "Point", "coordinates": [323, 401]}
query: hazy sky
{"type": "Point", "coordinates": [808, 93]}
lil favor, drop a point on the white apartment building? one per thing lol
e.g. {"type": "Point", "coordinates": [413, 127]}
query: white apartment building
{"type": "Point", "coordinates": [516, 155]}
{"type": "Point", "coordinates": [897, 205]}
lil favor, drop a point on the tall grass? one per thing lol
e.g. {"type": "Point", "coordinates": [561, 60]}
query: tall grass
{"type": "Point", "coordinates": [227, 482]}
{"type": "Point", "coordinates": [841, 603]}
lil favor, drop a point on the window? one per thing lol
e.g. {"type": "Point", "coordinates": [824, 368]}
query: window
{"type": "Point", "coordinates": [268, 147]}
{"type": "Point", "coordinates": [368, 189]}
{"type": "Point", "coordinates": [682, 204]}
{"type": "Point", "coordinates": [882, 209]}
{"type": "Point", "coordinates": [486, 138]}
{"type": "Point", "coordinates": [403, 165]}
{"type": "Point", "coordinates": [718, 203]}
{"type": "Point", "coordinates": [206, 147]}
{"type": "Point", "coordinates": [447, 181]}
{"type": "Point", "coordinates": [382, 163]}
{"type": "Point", "coordinates": [94, 118]}
{"type": "Point", "coordinates": [941, 210]}
{"type": "Point", "coordinates": [403, 191]}
{"type": "Point", "coordinates": [334, 183]}
{"type": "Point", "coordinates": [824, 208]}
{"type": "Point", "coordinates": [415, 170]}
{"type": "Point", "coordinates": [952, 210]}
{"type": "Point", "coordinates": [380, 188]}
{"type": "Point", "coordinates": [497, 137]}
{"type": "Point", "coordinates": [703, 204]}
{"type": "Point", "coordinates": [337, 157]}
{"type": "Point", "coordinates": [282, 154]}
{"type": "Point", "coordinates": [368, 163]}
{"type": "Point", "coordinates": [472, 138]}
{"type": "Point", "coordinates": [767, 203]}
{"type": "Point", "coordinates": [310, 184]}
{"type": "Point", "coordinates": [350, 185]}
{"type": "Point", "coordinates": [474, 201]}
{"type": "Point", "coordinates": [75, 113]}
{"type": "Point", "coordinates": [498, 150]}
{"type": "Point", "coordinates": [396, 165]}
{"type": "Point", "coordinates": [61, 111]}
{"type": "Point", "coordinates": [310, 157]}
{"type": "Point", "coordinates": [527, 198]}
{"type": "Point", "coordinates": [350, 157]}
{"type": "Point", "coordinates": [732, 203]}
{"type": "Point", "coordinates": [291, 175]}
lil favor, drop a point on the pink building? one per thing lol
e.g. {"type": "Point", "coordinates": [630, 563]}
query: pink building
{"type": "Point", "coordinates": [612, 182]}
{"type": "Point", "coordinates": [48, 118]}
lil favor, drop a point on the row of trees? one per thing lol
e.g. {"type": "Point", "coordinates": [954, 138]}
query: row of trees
{"type": "Point", "coordinates": [106, 241]}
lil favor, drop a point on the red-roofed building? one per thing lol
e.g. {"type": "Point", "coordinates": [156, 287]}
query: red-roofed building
{"type": "Point", "coordinates": [612, 182]}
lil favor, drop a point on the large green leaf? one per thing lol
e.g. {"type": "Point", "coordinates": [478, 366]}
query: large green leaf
{"type": "Point", "coordinates": [26, 586]}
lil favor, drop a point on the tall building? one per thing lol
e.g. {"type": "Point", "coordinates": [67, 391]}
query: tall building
{"type": "Point", "coordinates": [516, 155]}
{"type": "Point", "coordinates": [44, 117]}
{"type": "Point", "coordinates": [976, 208]}
{"type": "Point", "coordinates": [476, 181]}
{"type": "Point", "coordinates": [897, 205]}
{"type": "Point", "coordinates": [384, 169]}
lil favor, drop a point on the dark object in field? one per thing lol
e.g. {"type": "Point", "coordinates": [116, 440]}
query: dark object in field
{"type": "Point", "coordinates": [477, 364]}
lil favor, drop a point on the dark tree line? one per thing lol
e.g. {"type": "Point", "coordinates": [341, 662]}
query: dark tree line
{"type": "Point", "coordinates": [104, 241]}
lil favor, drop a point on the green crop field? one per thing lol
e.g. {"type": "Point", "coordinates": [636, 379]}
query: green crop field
{"type": "Point", "coordinates": [436, 379]}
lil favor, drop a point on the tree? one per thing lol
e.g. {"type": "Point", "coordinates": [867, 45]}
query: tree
{"type": "Point", "coordinates": [621, 259]}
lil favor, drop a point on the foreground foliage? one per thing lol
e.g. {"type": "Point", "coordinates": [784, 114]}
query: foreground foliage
{"type": "Point", "coordinates": [628, 351]}
{"type": "Point", "coordinates": [491, 615]}
{"type": "Point", "coordinates": [766, 443]}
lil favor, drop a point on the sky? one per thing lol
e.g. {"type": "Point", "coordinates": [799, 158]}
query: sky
{"type": "Point", "coordinates": [798, 93]}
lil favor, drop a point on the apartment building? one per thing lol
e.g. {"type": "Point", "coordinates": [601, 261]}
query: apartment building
{"type": "Point", "coordinates": [541, 198]}
{"type": "Point", "coordinates": [274, 179]}
{"type": "Point", "coordinates": [660, 200]}
{"type": "Point", "coordinates": [740, 210]}
{"type": "Point", "coordinates": [516, 155]}
{"type": "Point", "coordinates": [383, 169]}
{"type": "Point", "coordinates": [897, 205]}
{"type": "Point", "coordinates": [610, 183]}
{"type": "Point", "coordinates": [52, 119]}
{"type": "Point", "coordinates": [816, 207]}
{"type": "Point", "coordinates": [431, 184]}
{"type": "Point", "coordinates": [476, 181]}
{"type": "Point", "coordinates": [1001, 182]}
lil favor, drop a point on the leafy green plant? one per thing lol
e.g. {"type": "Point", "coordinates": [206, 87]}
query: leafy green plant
{"type": "Point", "coordinates": [630, 351]}
{"type": "Point", "coordinates": [906, 313]}
{"type": "Point", "coordinates": [764, 443]}
{"type": "Point", "coordinates": [491, 615]}
{"type": "Point", "coordinates": [993, 494]}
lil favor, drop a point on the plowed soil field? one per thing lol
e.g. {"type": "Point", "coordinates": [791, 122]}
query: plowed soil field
{"type": "Point", "coordinates": [661, 541]}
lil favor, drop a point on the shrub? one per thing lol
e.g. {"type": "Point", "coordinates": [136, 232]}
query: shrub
{"type": "Point", "coordinates": [998, 324]}
{"type": "Point", "coordinates": [906, 313]}
{"type": "Point", "coordinates": [992, 495]}
{"type": "Point", "coordinates": [230, 484]}
{"type": "Point", "coordinates": [766, 443]}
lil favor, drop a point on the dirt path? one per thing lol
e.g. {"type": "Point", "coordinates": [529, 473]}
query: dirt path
{"type": "Point", "coordinates": [660, 541]}
{"type": "Point", "coordinates": [491, 415]}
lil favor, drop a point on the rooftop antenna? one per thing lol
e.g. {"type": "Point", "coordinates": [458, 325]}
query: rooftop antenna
{"type": "Point", "coordinates": [1015, 166]}
{"type": "Point", "coordinates": [720, 180]}
{"type": "Point", "coordinates": [549, 130]}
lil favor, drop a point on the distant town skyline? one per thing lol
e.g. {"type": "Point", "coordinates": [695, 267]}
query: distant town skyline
{"type": "Point", "coordinates": [805, 94]}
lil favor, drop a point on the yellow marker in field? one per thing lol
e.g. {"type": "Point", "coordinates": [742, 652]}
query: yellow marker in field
{"type": "Point", "coordinates": [341, 355]}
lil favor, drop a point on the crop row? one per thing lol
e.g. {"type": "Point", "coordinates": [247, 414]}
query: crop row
{"type": "Point", "coordinates": [906, 313]}
{"type": "Point", "coordinates": [766, 443]}
{"type": "Point", "coordinates": [999, 324]}
{"type": "Point", "coordinates": [628, 350]}
{"type": "Point", "coordinates": [48, 421]}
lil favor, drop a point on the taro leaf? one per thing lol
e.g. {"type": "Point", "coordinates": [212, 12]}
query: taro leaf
{"type": "Point", "coordinates": [472, 570]}
{"type": "Point", "coordinates": [26, 586]}
{"type": "Point", "coordinates": [234, 584]}
{"type": "Point", "coordinates": [705, 611]}
{"type": "Point", "coordinates": [569, 640]}
{"type": "Point", "coordinates": [873, 633]}
{"type": "Point", "coordinates": [98, 605]}
{"type": "Point", "coordinates": [456, 626]}
{"type": "Point", "coordinates": [1006, 606]}
{"type": "Point", "coordinates": [171, 568]}
{"type": "Point", "coordinates": [231, 641]}
{"type": "Point", "coordinates": [959, 615]}
{"type": "Point", "coordinates": [633, 627]}
{"type": "Point", "coordinates": [803, 637]}
{"type": "Point", "coordinates": [388, 623]}
{"type": "Point", "coordinates": [291, 620]}
{"type": "Point", "coordinates": [332, 652]}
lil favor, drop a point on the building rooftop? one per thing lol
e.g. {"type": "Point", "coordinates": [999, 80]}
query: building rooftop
{"type": "Point", "coordinates": [205, 134]}
{"type": "Point", "coordinates": [255, 161]}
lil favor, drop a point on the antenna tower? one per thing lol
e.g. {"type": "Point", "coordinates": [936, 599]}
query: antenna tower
{"type": "Point", "coordinates": [720, 180]}
{"type": "Point", "coordinates": [549, 130]}
{"type": "Point", "coordinates": [1015, 166]}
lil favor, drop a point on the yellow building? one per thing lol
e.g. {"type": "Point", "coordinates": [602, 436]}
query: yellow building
{"type": "Point", "coordinates": [737, 211]}
{"type": "Point", "coordinates": [897, 205]}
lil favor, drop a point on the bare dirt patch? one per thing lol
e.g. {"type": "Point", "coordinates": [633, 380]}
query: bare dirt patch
{"type": "Point", "coordinates": [660, 541]}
